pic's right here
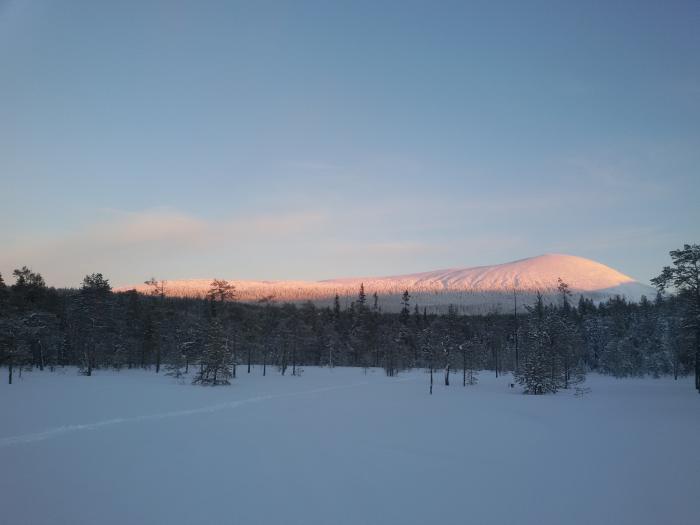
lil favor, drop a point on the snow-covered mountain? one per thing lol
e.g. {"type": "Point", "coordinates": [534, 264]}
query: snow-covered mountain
{"type": "Point", "coordinates": [476, 289]}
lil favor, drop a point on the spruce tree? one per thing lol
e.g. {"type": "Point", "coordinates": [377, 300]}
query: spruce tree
{"type": "Point", "coordinates": [405, 307]}
{"type": "Point", "coordinates": [14, 351]}
{"type": "Point", "coordinates": [535, 370]}
{"type": "Point", "coordinates": [214, 366]}
{"type": "Point", "coordinates": [336, 307]}
{"type": "Point", "coordinates": [95, 308]}
{"type": "Point", "coordinates": [362, 297]}
{"type": "Point", "coordinates": [684, 276]}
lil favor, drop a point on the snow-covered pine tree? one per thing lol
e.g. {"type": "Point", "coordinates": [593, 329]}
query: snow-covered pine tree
{"type": "Point", "coordinates": [331, 345]}
{"type": "Point", "coordinates": [427, 347]}
{"type": "Point", "coordinates": [214, 367]}
{"type": "Point", "coordinates": [178, 358]}
{"type": "Point", "coordinates": [336, 307]}
{"type": "Point", "coordinates": [469, 350]}
{"type": "Point", "coordinates": [373, 342]}
{"type": "Point", "coordinates": [358, 336]}
{"type": "Point", "coordinates": [405, 313]}
{"type": "Point", "coordinates": [537, 368]}
{"type": "Point", "coordinates": [565, 347]}
{"type": "Point", "coordinates": [94, 306]}
{"type": "Point", "coordinates": [448, 329]}
{"type": "Point", "coordinates": [684, 276]}
{"type": "Point", "coordinates": [534, 373]}
{"type": "Point", "coordinates": [391, 335]}
{"type": "Point", "coordinates": [673, 338]}
{"type": "Point", "coordinates": [14, 350]}
{"type": "Point", "coordinates": [362, 297]}
{"type": "Point", "coordinates": [41, 334]}
{"type": "Point", "coordinates": [594, 339]}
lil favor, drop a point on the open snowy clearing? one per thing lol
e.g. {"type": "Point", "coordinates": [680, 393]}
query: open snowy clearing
{"type": "Point", "coordinates": [342, 446]}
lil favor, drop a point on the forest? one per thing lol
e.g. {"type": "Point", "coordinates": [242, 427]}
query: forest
{"type": "Point", "coordinates": [550, 347]}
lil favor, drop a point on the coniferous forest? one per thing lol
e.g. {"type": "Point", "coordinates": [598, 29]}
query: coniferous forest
{"type": "Point", "coordinates": [550, 347]}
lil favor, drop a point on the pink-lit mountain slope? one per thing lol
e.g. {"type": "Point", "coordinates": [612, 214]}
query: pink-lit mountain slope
{"type": "Point", "coordinates": [475, 289]}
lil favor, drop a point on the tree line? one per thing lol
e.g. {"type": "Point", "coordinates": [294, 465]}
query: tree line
{"type": "Point", "coordinates": [213, 339]}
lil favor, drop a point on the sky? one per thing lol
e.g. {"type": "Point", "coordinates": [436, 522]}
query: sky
{"type": "Point", "coordinates": [311, 140]}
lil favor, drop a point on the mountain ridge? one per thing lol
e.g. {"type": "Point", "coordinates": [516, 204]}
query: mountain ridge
{"type": "Point", "coordinates": [477, 288]}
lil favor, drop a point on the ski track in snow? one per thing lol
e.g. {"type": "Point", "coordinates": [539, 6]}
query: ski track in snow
{"type": "Point", "coordinates": [67, 429]}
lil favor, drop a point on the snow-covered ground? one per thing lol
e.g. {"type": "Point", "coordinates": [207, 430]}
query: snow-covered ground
{"type": "Point", "coordinates": [341, 447]}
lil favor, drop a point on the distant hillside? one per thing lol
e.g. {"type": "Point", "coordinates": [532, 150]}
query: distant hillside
{"type": "Point", "coordinates": [474, 290]}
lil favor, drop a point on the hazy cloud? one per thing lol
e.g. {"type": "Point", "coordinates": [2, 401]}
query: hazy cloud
{"type": "Point", "coordinates": [118, 238]}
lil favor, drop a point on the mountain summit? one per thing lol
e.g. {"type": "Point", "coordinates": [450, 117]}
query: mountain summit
{"type": "Point", "coordinates": [475, 289]}
{"type": "Point", "coordinates": [531, 274]}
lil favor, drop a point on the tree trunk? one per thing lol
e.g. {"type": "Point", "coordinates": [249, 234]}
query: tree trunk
{"type": "Point", "coordinates": [464, 368]}
{"type": "Point", "coordinates": [294, 359]}
{"type": "Point", "coordinates": [495, 358]}
{"type": "Point", "coordinates": [431, 377]}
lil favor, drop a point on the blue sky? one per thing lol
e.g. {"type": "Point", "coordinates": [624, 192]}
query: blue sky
{"type": "Point", "coordinates": [310, 140]}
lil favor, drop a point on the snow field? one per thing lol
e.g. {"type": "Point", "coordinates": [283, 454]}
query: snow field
{"type": "Point", "coordinates": [341, 446]}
